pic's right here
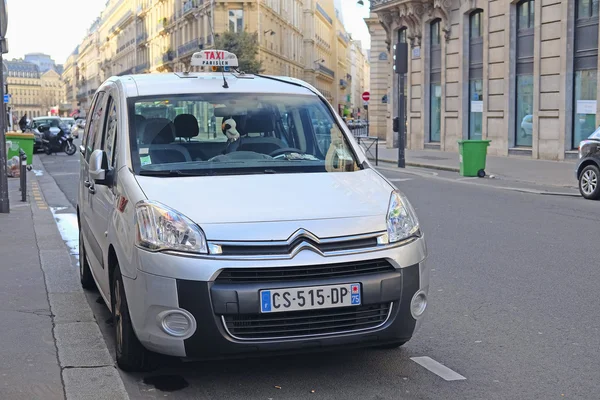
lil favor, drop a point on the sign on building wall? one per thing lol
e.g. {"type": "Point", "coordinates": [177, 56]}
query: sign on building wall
{"type": "Point", "coordinates": [586, 107]}
{"type": "Point", "coordinates": [383, 56]}
{"type": "Point", "coordinates": [476, 106]}
{"type": "Point", "coordinates": [416, 52]}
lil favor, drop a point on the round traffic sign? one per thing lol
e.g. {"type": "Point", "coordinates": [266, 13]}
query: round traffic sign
{"type": "Point", "coordinates": [366, 96]}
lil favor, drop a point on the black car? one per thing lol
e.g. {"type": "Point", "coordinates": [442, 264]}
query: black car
{"type": "Point", "coordinates": [588, 168]}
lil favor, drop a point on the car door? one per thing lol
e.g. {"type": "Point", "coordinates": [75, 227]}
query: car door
{"type": "Point", "coordinates": [92, 132]}
{"type": "Point", "coordinates": [102, 197]}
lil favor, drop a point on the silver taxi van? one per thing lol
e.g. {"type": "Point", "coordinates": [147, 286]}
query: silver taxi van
{"type": "Point", "coordinates": [223, 214]}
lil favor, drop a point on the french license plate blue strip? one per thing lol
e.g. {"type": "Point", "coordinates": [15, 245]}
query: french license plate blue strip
{"type": "Point", "coordinates": [266, 301]}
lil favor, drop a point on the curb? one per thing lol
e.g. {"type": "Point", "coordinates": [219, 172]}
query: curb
{"type": "Point", "coordinates": [87, 368]}
{"type": "Point", "coordinates": [419, 165]}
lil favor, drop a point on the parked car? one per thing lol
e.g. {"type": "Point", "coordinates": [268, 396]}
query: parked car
{"type": "Point", "coordinates": [69, 121]}
{"type": "Point", "coordinates": [78, 127]}
{"type": "Point", "coordinates": [331, 253]}
{"type": "Point", "coordinates": [588, 168]}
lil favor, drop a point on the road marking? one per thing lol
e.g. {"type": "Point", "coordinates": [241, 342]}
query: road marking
{"type": "Point", "coordinates": [438, 369]}
{"type": "Point", "coordinates": [65, 173]}
{"type": "Point", "coordinates": [401, 180]}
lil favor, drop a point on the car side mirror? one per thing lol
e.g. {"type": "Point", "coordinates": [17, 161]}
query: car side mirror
{"type": "Point", "coordinates": [98, 168]}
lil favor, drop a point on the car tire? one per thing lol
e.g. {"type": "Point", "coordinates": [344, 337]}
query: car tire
{"type": "Point", "coordinates": [391, 346]}
{"type": "Point", "coordinates": [589, 182]}
{"type": "Point", "coordinates": [131, 355]}
{"type": "Point", "coordinates": [85, 274]}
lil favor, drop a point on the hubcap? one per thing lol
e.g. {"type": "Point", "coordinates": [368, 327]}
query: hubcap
{"type": "Point", "coordinates": [589, 182]}
{"type": "Point", "coordinates": [118, 319]}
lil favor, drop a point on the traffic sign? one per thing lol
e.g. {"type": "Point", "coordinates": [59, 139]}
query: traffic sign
{"type": "Point", "coordinates": [6, 98]}
{"type": "Point", "coordinates": [366, 96]}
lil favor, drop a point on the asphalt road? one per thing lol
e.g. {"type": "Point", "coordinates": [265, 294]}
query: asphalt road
{"type": "Point", "coordinates": [513, 308]}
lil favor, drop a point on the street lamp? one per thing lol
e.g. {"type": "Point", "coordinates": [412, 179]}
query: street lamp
{"type": "Point", "coordinates": [360, 3]}
{"type": "Point", "coordinates": [269, 30]}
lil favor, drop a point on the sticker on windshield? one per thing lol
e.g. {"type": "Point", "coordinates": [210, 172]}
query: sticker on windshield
{"type": "Point", "coordinates": [145, 160]}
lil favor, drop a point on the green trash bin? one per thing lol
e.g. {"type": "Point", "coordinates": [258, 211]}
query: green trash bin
{"type": "Point", "coordinates": [472, 155]}
{"type": "Point", "coordinates": [16, 141]}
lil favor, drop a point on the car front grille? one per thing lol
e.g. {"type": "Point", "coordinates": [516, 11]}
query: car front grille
{"type": "Point", "coordinates": [298, 324]}
{"type": "Point", "coordinates": [303, 273]}
{"type": "Point", "coordinates": [286, 249]}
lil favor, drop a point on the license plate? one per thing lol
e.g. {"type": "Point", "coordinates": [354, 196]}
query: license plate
{"type": "Point", "coordinates": [310, 298]}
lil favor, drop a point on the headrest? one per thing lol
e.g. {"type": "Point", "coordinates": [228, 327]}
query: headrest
{"type": "Point", "coordinates": [259, 122]}
{"type": "Point", "coordinates": [186, 126]}
{"type": "Point", "coordinates": [158, 131]}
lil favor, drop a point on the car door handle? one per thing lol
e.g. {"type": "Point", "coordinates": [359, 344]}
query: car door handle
{"type": "Point", "coordinates": [87, 184]}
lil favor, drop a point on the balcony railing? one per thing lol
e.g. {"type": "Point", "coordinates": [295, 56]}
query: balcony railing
{"type": "Point", "coordinates": [143, 7]}
{"type": "Point", "coordinates": [125, 45]}
{"type": "Point", "coordinates": [189, 6]}
{"type": "Point", "coordinates": [168, 56]}
{"type": "Point", "coordinates": [326, 70]}
{"type": "Point", "coordinates": [187, 48]}
{"type": "Point", "coordinates": [380, 3]}
{"type": "Point", "coordinates": [141, 38]}
{"type": "Point", "coordinates": [141, 68]}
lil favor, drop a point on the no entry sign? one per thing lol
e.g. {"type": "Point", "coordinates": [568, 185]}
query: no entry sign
{"type": "Point", "coordinates": [366, 96]}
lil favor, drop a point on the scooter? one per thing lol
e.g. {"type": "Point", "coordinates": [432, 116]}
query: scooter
{"type": "Point", "coordinates": [53, 143]}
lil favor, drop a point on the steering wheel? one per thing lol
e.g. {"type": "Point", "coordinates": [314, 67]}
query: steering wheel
{"type": "Point", "coordinates": [285, 150]}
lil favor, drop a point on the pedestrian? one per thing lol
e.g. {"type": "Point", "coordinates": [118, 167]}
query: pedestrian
{"type": "Point", "coordinates": [23, 122]}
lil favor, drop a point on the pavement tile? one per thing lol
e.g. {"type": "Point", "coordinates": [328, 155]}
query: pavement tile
{"type": "Point", "coordinates": [80, 344]}
{"type": "Point", "coordinates": [70, 307]}
{"type": "Point", "coordinates": [102, 383]}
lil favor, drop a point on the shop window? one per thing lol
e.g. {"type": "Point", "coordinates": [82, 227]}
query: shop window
{"type": "Point", "coordinates": [475, 75]}
{"type": "Point", "coordinates": [524, 82]}
{"type": "Point", "coordinates": [435, 83]}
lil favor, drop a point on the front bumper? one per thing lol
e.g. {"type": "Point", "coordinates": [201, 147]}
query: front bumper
{"type": "Point", "coordinates": [211, 302]}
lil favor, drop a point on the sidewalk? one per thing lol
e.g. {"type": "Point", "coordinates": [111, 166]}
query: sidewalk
{"type": "Point", "coordinates": [512, 168]}
{"type": "Point", "coordinates": [52, 347]}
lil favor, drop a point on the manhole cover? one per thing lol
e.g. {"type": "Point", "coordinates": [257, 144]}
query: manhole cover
{"type": "Point", "coordinates": [432, 158]}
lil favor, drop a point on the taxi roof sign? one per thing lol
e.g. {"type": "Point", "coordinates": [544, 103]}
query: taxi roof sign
{"type": "Point", "coordinates": [214, 58]}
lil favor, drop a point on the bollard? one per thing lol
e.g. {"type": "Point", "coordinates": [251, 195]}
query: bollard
{"type": "Point", "coordinates": [23, 174]}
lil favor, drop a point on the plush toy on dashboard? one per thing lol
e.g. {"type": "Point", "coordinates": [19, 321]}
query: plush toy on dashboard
{"type": "Point", "coordinates": [233, 136]}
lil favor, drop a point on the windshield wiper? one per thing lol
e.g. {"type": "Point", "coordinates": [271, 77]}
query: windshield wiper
{"type": "Point", "coordinates": [170, 172]}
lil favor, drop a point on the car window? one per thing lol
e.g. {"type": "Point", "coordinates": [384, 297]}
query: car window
{"type": "Point", "coordinates": [236, 133]}
{"type": "Point", "coordinates": [94, 126]}
{"type": "Point", "coordinates": [110, 130]}
{"type": "Point", "coordinates": [595, 135]}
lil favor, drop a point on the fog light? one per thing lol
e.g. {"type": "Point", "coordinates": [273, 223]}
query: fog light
{"type": "Point", "coordinates": [418, 304]}
{"type": "Point", "coordinates": [177, 323]}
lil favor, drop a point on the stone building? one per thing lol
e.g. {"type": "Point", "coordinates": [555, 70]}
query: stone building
{"type": "Point", "coordinates": [520, 73]}
{"type": "Point", "coordinates": [298, 38]}
{"type": "Point", "coordinates": [24, 87]}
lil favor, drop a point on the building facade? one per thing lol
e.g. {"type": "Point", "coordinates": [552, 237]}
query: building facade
{"type": "Point", "coordinates": [43, 61]}
{"type": "Point", "coordinates": [298, 38]}
{"type": "Point", "coordinates": [359, 78]}
{"type": "Point", "coordinates": [24, 87]}
{"type": "Point", "coordinates": [70, 78]}
{"type": "Point", "coordinates": [522, 74]}
{"type": "Point", "coordinates": [52, 93]}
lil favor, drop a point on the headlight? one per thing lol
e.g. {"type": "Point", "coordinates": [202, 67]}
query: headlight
{"type": "Point", "coordinates": [162, 228]}
{"type": "Point", "coordinates": [402, 220]}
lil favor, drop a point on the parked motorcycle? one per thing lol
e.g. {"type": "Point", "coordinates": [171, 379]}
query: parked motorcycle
{"type": "Point", "coordinates": [55, 142]}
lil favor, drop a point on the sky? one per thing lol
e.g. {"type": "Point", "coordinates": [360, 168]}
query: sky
{"type": "Point", "coordinates": [56, 27]}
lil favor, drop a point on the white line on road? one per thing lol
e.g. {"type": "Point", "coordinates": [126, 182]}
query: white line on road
{"type": "Point", "coordinates": [438, 369]}
{"type": "Point", "coordinates": [401, 180]}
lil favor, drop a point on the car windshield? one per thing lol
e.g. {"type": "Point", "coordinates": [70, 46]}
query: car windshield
{"type": "Point", "coordinates": [595, 134]}
{"type": "Point", "coordinates": [236, 133]}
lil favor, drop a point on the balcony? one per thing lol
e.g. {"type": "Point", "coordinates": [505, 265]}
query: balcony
{"type": "Point", "coordinates": [141, 39]}
{"type": "Point", "coordinates": [189, 6]}
{"type": "Point", "coordinates": [168, 56]}
{"type": "Point", "coordinates": [125, 45]}
{"type": "Point", "coordinates": [143, 7]}
{"type": "Point", "coordinates": [326, 71]}
{"type": "Point", "coordinates": [344, 36]}
{"type": "Point", "coordinates": [142, 68]}
{"type": "Point", "coordinates": [188, 48]}
{"type": "Point", "coordinates": [161, 27]}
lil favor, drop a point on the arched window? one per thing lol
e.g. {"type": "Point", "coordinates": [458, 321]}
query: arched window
{"type": "Point", "coordinates": [524, 81]}
{"type": "Point", "coordinates": [475, 74]}
{"type": "Point", "coordinates": [435, 82]}
{"type": "Point", "coordinates": [585, 67]}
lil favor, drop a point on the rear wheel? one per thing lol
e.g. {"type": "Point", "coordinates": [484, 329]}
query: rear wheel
{"type": "Point", "coordinates": [85, 274]}
{"type": "Point", "coordinates": [589, 182]}
{"type": "Point", "coordinates": [131, 355]}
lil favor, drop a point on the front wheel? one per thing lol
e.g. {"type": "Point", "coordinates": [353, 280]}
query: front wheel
{"type": "Point", "coordinates": [69, 148]}
{"type": "Point", "coordinates": [588, 182]}
{"type": "Point", "coordinates": [131, 355]}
